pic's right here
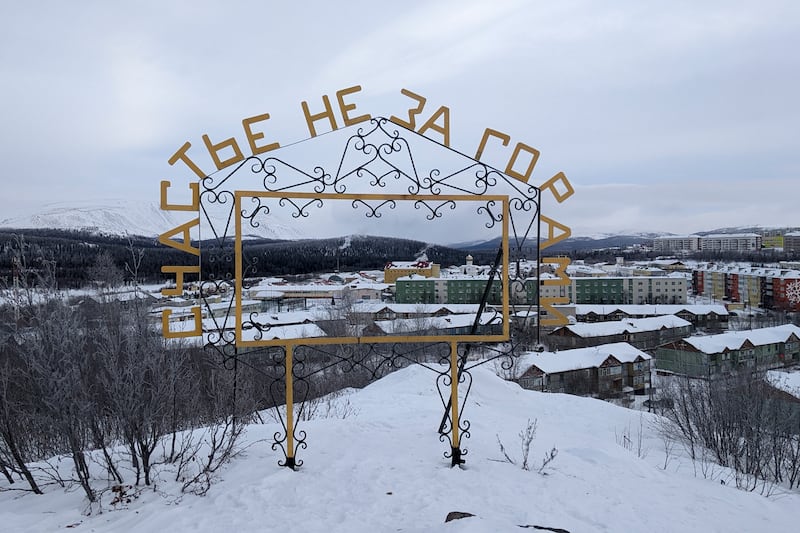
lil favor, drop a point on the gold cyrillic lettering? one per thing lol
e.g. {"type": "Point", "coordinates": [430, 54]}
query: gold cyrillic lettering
{"type": "Point", "coordinates": [444, 129]}
{"type": "Point", "coordinates": [181, 155]}
{"type": "Point", "coordinates": [561, 270]}
{"type": "Point", "coordinates": [179, 271]}
{"type": "Point", "coordinates": [194, 187]}
{"type": "Point", "coordinates": [510, 167]}
{"type": "Point", "coordinates": [551, 184]}
{"type": "Point", "coordinates": [552, 238]}
{"type": "Point", "coordinates": [214, 150]}
{"type": "Point", "coordinates": [252, 136]}
{"type": "Point", "coordinates": [346, 108]}
{"type": "Point", "coordinates": [196, 332]}
{"type": "Point", "coordinates": [494, 133]}
{"type": "Point", "coordinates": [559, 319]}
{"type": "Point", "coordinates": [310, 119]}
{"type": "Point", "coordinates": [186, 244]}
{"type": "Point", "coordinates": [412, 112]}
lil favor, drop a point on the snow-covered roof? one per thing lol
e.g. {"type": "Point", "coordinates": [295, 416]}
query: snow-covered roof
{"type": "Point", "coordinates": [294, 331]}
{"type": "Point", "coordinates": [628, 325]}
{"type": "Point", "coordinates": [731, 236]}
{"type": "Point", "coordinates": [362, 283]}
{"type": "Point", "coordinates": [733, 340]}
{"type": "Point", "coordinates": [422, 309]}
{"type": "Point", "coordinates": [649, 309]}
{"type": "Point", "coordinates": [402, 265]}
{"type": "Point", "coordinates": [769, 272]}
{"type": "Point", "coordinates": [592, 357]}
{"type": "Point", "coordinates": [409, 325]}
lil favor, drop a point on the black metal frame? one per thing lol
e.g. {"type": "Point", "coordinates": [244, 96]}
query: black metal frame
{"type": "Point", "coordinates": [377, 148]}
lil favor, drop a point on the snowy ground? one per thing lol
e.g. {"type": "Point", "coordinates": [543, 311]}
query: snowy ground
{"type": "Point", "coordinates": [787, 380]}
{"type": "Point", "coordinates": [381, 469]}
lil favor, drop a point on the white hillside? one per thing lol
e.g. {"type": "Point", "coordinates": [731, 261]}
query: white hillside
{"type": "Point", "coordinates": [381, 469]}
{"type": "Point", "coordinates": [121, 217]}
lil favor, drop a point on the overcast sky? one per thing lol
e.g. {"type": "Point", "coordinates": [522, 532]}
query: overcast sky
{"type": "Point", "coordinates": [666, 116]}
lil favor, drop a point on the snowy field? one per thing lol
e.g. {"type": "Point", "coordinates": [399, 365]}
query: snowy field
{"type": "Point", "coordinates": [788, 381]}
{"type": "Point", "coordinates": [380, 468]}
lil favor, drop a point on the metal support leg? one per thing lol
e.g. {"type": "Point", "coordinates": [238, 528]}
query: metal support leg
{"type": "Point", "coordinates": [290, 459]}
{"type": "Point", "coordinates": [456, 447]}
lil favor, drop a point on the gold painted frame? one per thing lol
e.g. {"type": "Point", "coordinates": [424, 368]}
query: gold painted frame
{"type": "Point", "coordinates": [503, 200]}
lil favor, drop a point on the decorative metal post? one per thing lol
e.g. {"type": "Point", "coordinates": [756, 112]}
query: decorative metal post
{"type": "Point", "coordinates": [455, 446]}
{"type": "Point", "coordinates": [290, 459]}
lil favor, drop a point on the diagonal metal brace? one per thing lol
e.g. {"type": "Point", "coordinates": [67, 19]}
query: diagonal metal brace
{"type": "Point", "coordinates": [462, 362]}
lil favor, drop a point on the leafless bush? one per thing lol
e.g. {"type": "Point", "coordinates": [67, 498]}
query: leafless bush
{"type": "Point", "coordinates": [547, 459]}
{"type": "Point", "coordinates": [96, 385]}
{"type": "Point", "coordinates": [740, 422]}
{"type": "Point", "coordinates": [219, 442]}
{"type": "Point", "coordinates": [633, 443]}
{"type": "Point", "coordinates": [526, 437]}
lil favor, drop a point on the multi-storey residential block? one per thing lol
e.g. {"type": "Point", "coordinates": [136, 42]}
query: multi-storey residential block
{"type": "Point", "coordinates": [677, 243]}
{"type": "Point", "coordinates": [415, 289]}
{"type": "Point", "coordinates": [771, 288]}
{"type": "Point", "coordinates": [731, 242]}
{"type": "Point", "coordinates": [791, 241]}
{"type": "Point", "coordinates": [452, 290]}
{"type": "Point", "coordinates": [629, 290]}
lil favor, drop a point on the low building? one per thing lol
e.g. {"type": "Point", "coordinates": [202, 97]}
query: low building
{"type": "Point", "coordinates": [603, 371]}
{"type": "Point", "coordinates": [710, 355]}
{"type": "Point", "coordinates": [643, 333]}
{"type": "Point", "coordinates": [490, 324]}
{"type": "Point", "coordinates": [419, 267]}
{"type": "Point", "coordinates": [371, 311]}
{"type": "Point", "coordinates": [701, 316]}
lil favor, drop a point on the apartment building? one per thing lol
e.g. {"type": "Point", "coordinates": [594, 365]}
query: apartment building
{"type": "Point", "coordinates": [710, 355]}
{"type": "Point", "coordinates": [770, 288]}
{"type": "Point", "coordinates": [629, 290]}
{"type": "Point", "coordinates": [791, 241]}
{"type": "Point", "coordinates": [731, 242]}
{"type": "Point", "coordinates": [677, 243]}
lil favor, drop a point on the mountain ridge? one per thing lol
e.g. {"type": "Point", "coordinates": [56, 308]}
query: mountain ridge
{"type": "Point", "coordinates": [121, 217]}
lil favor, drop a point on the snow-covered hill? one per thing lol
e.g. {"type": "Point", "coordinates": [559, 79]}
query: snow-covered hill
{"type": "Point", "coordinates": [380, 468]}
{"type": "Point", "coordinates": [120, 217]}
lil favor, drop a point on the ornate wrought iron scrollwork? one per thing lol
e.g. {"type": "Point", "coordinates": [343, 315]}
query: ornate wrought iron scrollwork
{"type": "Point", "coordinates": [378, 155]}
{"type": "Point", "coordinates": [373, 211]}
{"type": "Point", "coordinates": [434, 210]}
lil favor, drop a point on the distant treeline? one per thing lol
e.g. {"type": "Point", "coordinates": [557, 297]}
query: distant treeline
{"type": "Point", "coordinates": [72, 254]}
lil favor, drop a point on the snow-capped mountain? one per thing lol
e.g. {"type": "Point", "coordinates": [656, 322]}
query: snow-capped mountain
{"type": "Point", "coordinates": [119, 217]}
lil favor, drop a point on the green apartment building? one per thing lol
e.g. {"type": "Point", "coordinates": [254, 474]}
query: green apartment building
{"type": "Point", "coordinates": [711, 355]}
{"type": "Point", "coordinates": [458, 290]}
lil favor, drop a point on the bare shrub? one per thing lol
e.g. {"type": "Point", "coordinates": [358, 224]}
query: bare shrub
{"type": "Point", "coordinates": [740, 422]}
{"type": "Point", "coordinates": [633, 443]}
{"type": "Point", "coordinates": [526, 437]}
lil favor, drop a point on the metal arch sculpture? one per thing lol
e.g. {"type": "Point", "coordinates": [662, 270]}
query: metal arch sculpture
{"type": "Point", "coordinates": [378, 157]}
